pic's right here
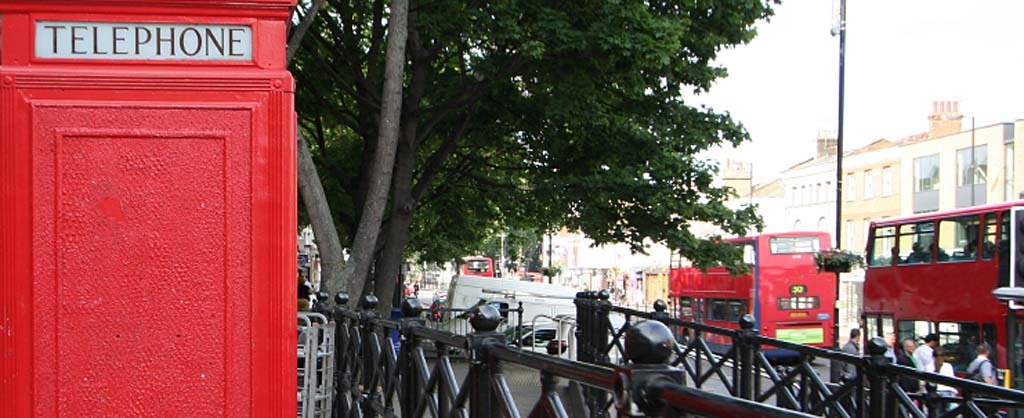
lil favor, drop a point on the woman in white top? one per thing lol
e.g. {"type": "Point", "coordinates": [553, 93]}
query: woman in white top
{"type": "Point", "coordinates": [945, 369]}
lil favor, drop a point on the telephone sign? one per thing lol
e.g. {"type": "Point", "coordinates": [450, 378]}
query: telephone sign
{"type": "Point", "coordinates": [150, 41]}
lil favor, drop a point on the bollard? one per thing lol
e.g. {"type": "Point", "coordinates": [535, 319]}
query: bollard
{"type": "Point", "coordinates": [877, 380]}
{"type": "Point", "coordinates": [745, 351]}
{"type": "Point", "coordinates": [411, 388]}
{"type": "Point", "coordinates": [649, 346]}
{"type": "Point", "coordinates": [483, 400]}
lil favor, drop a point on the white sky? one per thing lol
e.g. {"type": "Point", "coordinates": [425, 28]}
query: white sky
{"type": "Point", "coordinates": [901, 55]}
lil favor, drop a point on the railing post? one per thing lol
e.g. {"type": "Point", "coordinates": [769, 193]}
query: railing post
{"type": "Point", "coordinates": [649, 345]}
{"type": "Point", "coordinates": [367, 313]}
{"type": "Point", "coordinates": [746, 350]}
{"type": "Point", "coordinates": [343, 374]}
{"type": "Point", "coordinates": [935, 406]}
{"type": "Point", "coordinates": [592, 310]}
{"type": "Point", "coordinates": [411, 388]}
{"type": "Point", "coordinates": [877, 380]}
{"type": "Point", "coordinates": [483, 400]}
{"type": "Point", "coordinates": [659, 310]}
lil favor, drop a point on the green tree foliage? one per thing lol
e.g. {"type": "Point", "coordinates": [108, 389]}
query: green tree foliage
{"type": "Point", "coordinates": [528, 114]}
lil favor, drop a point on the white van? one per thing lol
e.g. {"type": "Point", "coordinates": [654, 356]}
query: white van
{"type": "Point", "coordinates": [537, 299]}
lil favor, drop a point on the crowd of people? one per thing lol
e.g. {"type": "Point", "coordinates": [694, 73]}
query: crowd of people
{"type": "Point", "coordinates": [929, 356]}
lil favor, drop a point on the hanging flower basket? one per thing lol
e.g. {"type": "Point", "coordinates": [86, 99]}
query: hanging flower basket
{"type": "Point", "coordinates": [837, 261]}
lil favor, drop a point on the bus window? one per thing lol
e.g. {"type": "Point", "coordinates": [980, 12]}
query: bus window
{"type": "Point", "coordinates": [1003, 249]}
{"type": "Point", "coordinates": [988, 334]}
{"type": "Point", "coordinates": [913, 329]}
{"type": "Point", "coordinates": [794, 245]}
{"type": "Point", "coordinates": [916, 243]}
{"type": "Point", "coordinates": [798, 302]}
{"type": "Point", "coordinates": [958, 239]}
{"type": "Point", "coordinates": [988, 239]}
{"type": "Point", "coordinates": [749, 254]}
{"type": "Point", "coordinates": [686, 306]}
{"type": "Point", "coordinates": [730, 310]}
{"type": "Point", "coordinates": [959, 339]}
{"type": "Point", "coordinates": [883, 246]}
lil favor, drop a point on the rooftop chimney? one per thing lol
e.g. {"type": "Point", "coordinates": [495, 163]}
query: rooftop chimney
{"type": "Point", "coordinates": [945, 119]}
{"type": "Point", "coordinates": [827, 144]}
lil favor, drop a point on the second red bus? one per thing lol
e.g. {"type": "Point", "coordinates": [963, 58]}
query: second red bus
{"type": "Point", "coordinates": [789, 299]}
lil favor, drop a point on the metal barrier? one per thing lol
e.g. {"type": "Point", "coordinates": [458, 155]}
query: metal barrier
{"type": "Point", "coordinates": [742, 370]}
{"type": "Point", "coordinates": [421, 378]}
{"type": "Point", "coordinates": [315, 365]}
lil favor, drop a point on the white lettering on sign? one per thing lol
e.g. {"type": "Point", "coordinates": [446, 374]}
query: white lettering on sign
{"type": "Point", "coordinates": [143, 41]}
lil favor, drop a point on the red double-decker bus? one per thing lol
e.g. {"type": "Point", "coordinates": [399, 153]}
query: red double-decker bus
{"type": "Point", "coordinates": [788, 297]}
{"type": "Point", "coordinates": [477, 266]}
{"type": "Point", "coordinates": [935, 273]}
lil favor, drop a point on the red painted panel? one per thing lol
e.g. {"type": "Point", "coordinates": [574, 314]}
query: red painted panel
{"type": "Point", "coordinates": [147, 222]}
{"type": "Point", "coordinates": [140, 224]}
{"type": "Point", "coordinates": [142, 240]}
{"type": "Point", "coordinates": [162, 238]}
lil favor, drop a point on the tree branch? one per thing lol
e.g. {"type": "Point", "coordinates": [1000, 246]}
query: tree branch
{"type": "Point", "coordinates": [468, 95]}
{"type": "Point", "coordinates": [376, 37]}
{"type": "Point", "coordinates": [300, 31]}
{"type": "Point", "coordinates": [432, 167]}
{"type": "Point", "coordinates": [341, 81]}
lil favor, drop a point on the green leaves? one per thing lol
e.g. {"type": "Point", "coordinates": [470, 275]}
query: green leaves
{"type": "Point", "coordinates": [575, 109]}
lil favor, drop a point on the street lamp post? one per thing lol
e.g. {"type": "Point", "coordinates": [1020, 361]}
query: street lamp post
{"type": "Point", "coordinates": [501, 258]}
{"type": "Point", "coordinates": [839, 159]}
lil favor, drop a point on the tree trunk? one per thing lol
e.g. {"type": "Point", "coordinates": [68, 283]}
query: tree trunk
{"type": "Point", "coordinates": [310, 188]}
{"type": "Point", "coordinates": [327, 242]}
{"type": "Point", "coordinates": [389, 262]}
{"type": "Point", "coordinates": [365, 242]}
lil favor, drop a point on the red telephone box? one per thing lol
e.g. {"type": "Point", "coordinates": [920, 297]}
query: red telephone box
{"type": "Point", "coordinates": [147, 209]}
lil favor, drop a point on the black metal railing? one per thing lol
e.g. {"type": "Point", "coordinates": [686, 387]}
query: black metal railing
{"type": "Point", "coordinates": [437, 373]}
{"type": "Point", "coordinates": [734, 362]}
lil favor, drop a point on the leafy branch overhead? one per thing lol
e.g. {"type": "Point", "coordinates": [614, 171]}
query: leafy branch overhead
{"type": "Point", "coordinates": [528, 115]}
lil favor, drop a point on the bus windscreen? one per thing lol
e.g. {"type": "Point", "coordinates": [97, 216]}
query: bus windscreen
{"type": "Point", "coordinates": [794, 245]}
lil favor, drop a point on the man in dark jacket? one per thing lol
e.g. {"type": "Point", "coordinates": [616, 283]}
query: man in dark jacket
{"type": "Point", "coordinates": [906, 358]}
{"type": "Point", "coordinates": [847, 371]}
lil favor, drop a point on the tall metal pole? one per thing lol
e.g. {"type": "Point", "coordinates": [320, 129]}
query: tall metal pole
{"type": "Point", "coordinates": [839, 159]}
{"type": "Point", "coordinates": [501, 260]}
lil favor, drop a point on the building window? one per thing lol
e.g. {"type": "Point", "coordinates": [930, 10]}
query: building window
{"type": "Point", "coordinates": [926, 173]}
{"type": "Point", "coordinates": [972, 169]}
{"type": "Point", "coordinates": [869, 184]}
{"type": "Point", "coordinates": [886, 181]}
{"type": "Point", "coordinates": [1008, 172]}
{"type": "Point", "coordinates": [793, 196]}
{"type": "Point", "coordinates": [796, 225]}
{"type": "Point", "coordinates": [821, 223]}
{"type": "Point", "coordinates": [818, 195]}
{"type": "Point", "coordinates": [972, 175]}
{"type": "Point", "coordinates": [851, 187]}
{"type": "Point", "coordinates": [803, 195]}
{"type": "Point", "coordinates": [850, 228]}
